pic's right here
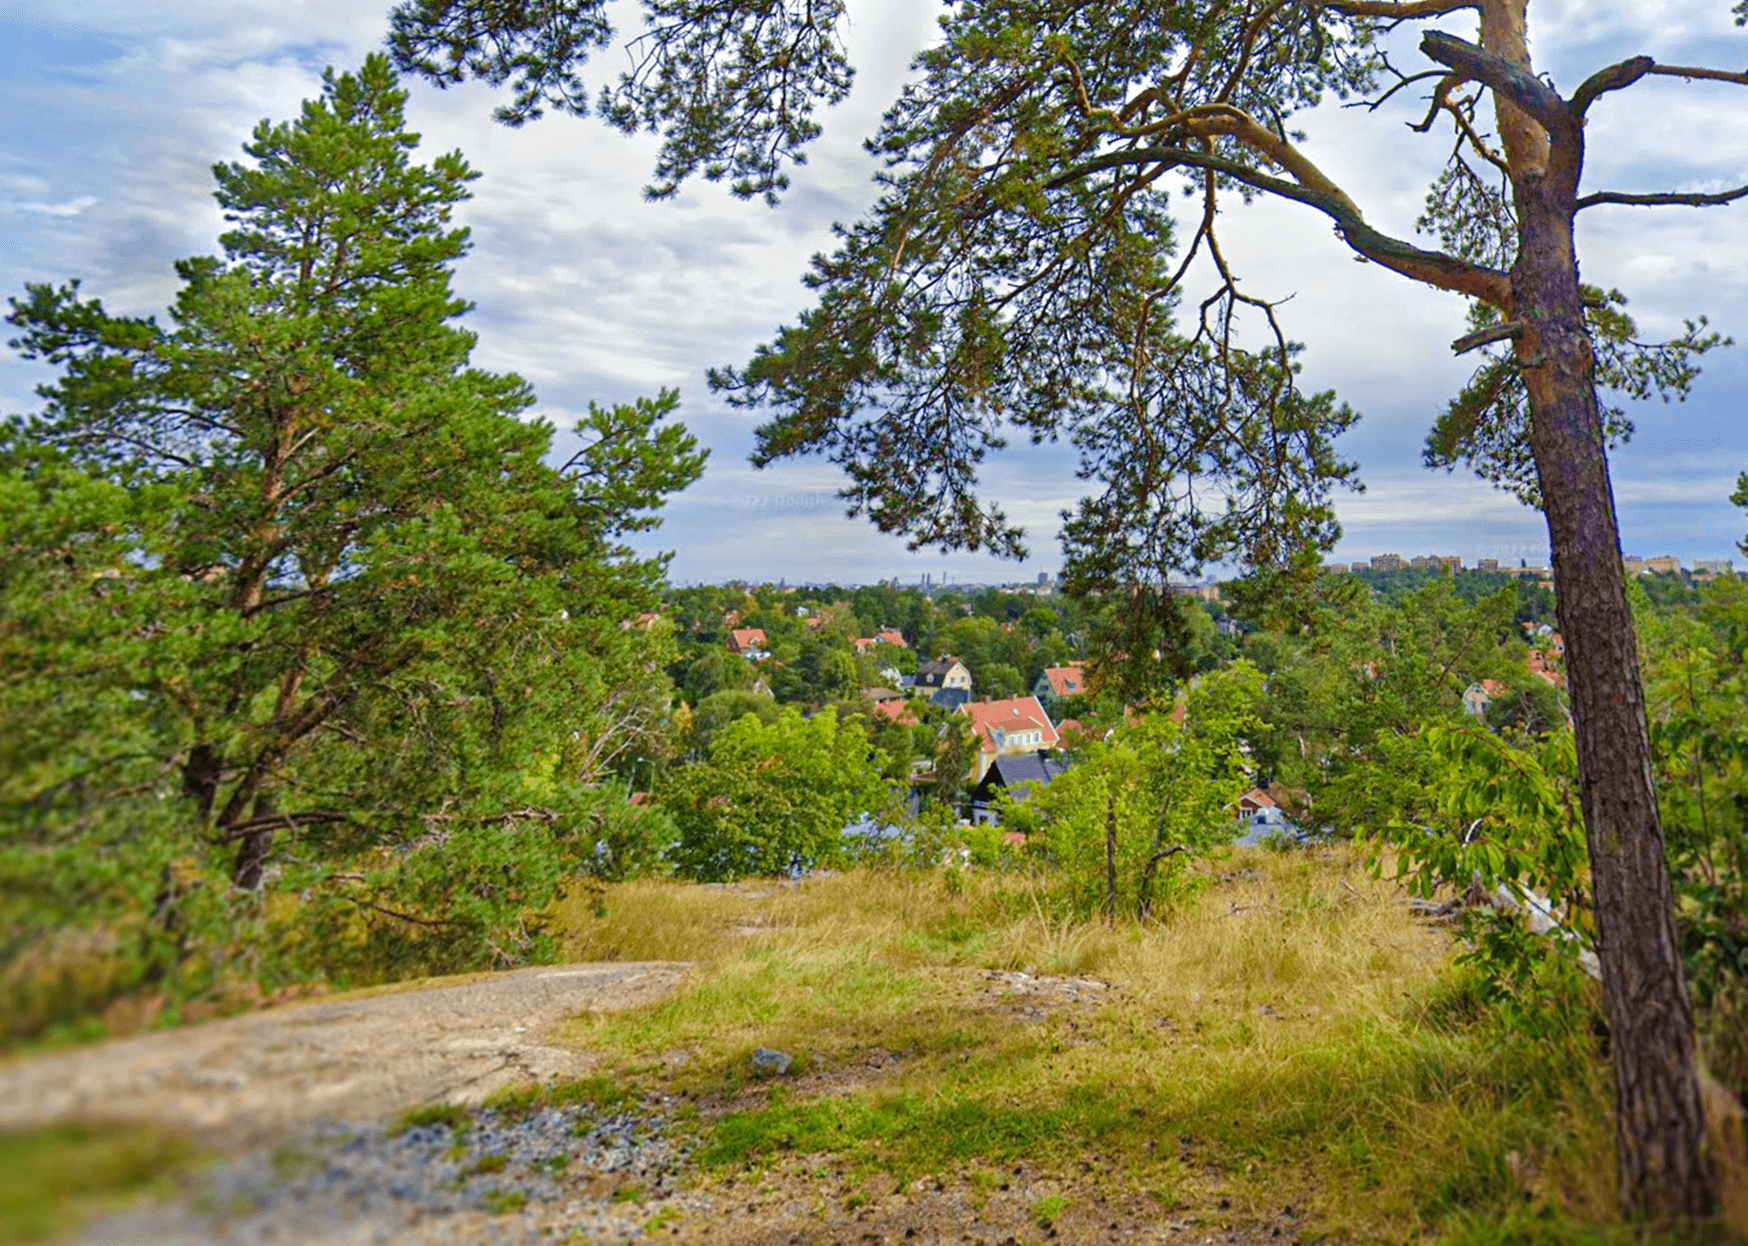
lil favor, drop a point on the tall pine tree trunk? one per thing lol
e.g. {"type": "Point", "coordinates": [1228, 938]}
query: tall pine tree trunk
{"type": "Point", "coordinates": [1659, 1120]}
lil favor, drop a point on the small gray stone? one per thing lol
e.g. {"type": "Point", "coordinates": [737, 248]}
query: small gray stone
{"type": "Point", "coordinates": [769, 1063]}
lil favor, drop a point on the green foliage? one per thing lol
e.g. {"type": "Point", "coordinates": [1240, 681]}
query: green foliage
{"type": "Point", "coordinates": [1486, 427]}
{"type": "Point", "coordinates": [719, 709]}
{"type": "Point", "coordinates": [1740, 496]}
{"type": "Point", "coordinates": [1360, 673]}
{"type": "Point", "coordinates": [290, 597]}
{"type": "Point", "coordinates": [774, 798]}
{"type": "Point", "coordinates": [716, 670]}
{"type": "Point", "coordinates": [1158, 792]}
{"type": "Point", "coordinates": [1491, 815]}
{"type": "Point", "coordinates": [452, 1116]}
{"type": "Point", "coordinates": [712, 111]}
{"type": "Point", "coordinates": [1696, 682]}
{"type": "Point", "coordinates": [955, 749]}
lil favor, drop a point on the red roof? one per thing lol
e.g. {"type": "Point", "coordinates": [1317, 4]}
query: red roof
{"type": "Point", "coordinates": [989, 718]}
{"type": "Point", "coordinates": [890, 637]}
{"type": "Point", "coordinates": [1066, 681]}
{"type": "Point", "coordinates": [745, 638]}
{"type": "Point", "coordinates": [895, 711]}
{"type": "Point", "coordinates": [1541, 664]}
{"type": "Point", "coordinates": [1256, 798]}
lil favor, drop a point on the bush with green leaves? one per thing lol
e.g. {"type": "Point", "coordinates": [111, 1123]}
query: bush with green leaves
{"type": "Point", "coordinates": [1486, 812]}
{"type": "Point", "coordinates": [1124, 823]}
{"type": "Point", "coordinates": [1696, 692]}
{"type": "Point", "coordinates": [773, 798]}
{"type": "Point", "coordinates": [1495, 818]}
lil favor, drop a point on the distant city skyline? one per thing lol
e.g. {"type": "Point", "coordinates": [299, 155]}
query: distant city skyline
{"type": "Point", "coordinates": [1635, 564]}
{"type": "Point", "coordinates": [116, 110]}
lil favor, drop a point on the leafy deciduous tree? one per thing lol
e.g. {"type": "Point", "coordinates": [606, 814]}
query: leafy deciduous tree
{"type": "Point", "coordinates": [775, 796]}
{"type": "Point", "coordinates": [1124, 822]}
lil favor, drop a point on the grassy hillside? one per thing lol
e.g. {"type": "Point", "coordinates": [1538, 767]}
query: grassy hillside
{"type": "Point", "coordinates": [1292, 1055]}
{"type": "Point", "coordinates": [1288, 1057]}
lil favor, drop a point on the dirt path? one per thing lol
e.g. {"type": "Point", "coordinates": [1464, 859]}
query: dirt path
{"type": "Point", "coordinates": [248, 1079]}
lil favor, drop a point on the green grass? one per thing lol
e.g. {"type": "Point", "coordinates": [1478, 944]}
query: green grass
{"type": "Point", "coordinates": [53, 1179]}
{"type": "Point", "coordinates": [503, 1202]}
{"type": "Point", "coordinates": [452, 1116]}
{"type": "Point", "coordinates": [1046, 1210]}
{"type": "Point", "coordinates": [1292, 1037]}
{"type": "Point", "coordinates": [606, 1092]}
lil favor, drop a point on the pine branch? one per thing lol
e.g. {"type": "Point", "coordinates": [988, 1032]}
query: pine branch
{"type": "Point", "coordinates": [1697, 199]}
{"type": "Point", "coordinates": [1482, 337]}
{"type": "Point", "coordinates": [1437, 268]}
{"type": "Point", "coordinates": [1614, 78]}
{"type": "Point", "coordinates": [1515, 83]}
{"type": "Point", "coordinates": [1690, 71]}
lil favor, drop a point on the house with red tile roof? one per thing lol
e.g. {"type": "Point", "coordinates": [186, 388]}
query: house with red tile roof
{"type": "Point", "coordinates": [747, 641]}
{"type": "Point", "coordinates": [897, 711]}
{"type": "Point", "coordinates": [1478, 696]}
{"type": "Point", "coordinates": [1060, 681]}
{"type": "Point", "coordinates": [1007, 729]}
{"type": "Point", "coordinates": [1545, 665]}
{"type": "Point", "coordinates": [1253, 802]}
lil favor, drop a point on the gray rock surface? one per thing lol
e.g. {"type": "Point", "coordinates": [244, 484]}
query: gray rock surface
{"type": "Point", "coordinates": [256, 1079]}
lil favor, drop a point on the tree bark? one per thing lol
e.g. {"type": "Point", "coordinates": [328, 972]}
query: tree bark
{"type": "Point", "coordinates": [201, 774]}
{"type": "Point", "coordinates": [1665, 1172]}
{"type": "Point", "coordinates": [254, 847]}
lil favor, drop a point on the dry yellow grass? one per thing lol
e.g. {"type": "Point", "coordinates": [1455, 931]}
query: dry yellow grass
{"type": "Point", "coordinates": [1294, 1023]}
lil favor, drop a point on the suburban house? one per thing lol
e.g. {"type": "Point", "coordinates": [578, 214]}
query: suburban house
{"type": "Point", "coordinates": [1545, 665]}
{"type": "Point", "coordinates": [1007, 729]}
{"type": "Point", "coordinates": [897, 711]}
{"type": "Point", "coordinates": [890, 636]}
{"type": "Point", "coordinates": [1477, 697]}
{"type": "Point", "coordinates": [749, 642]}
{"type": "Point", "coordinates": [1017, 776]}
{"type": "Point", "coordinates": [1254, 802]}
{"type": "Point", "coordinates": [1060, 681]}
{"type": "Point", "coordinates": [944, 680]}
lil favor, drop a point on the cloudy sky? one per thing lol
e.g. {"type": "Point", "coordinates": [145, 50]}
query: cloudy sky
{"type": "Point", "coordinates": [114, 110]}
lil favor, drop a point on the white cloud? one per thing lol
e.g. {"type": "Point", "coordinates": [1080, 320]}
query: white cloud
{"type": "Point", "coordinates": [72, 207]}
{"type": "Point", "coordinates": [594, 294]}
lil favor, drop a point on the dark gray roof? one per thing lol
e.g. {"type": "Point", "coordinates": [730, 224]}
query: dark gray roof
{"type": "Point", "coordinates": [1025, 768]}
{"type": "Point", "coordinates": [931, 673]}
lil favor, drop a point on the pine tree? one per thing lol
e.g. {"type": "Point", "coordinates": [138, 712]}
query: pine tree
{"type": "Point", "coordinates": [324, 580]}
{"type": "Point", "coordinates": [1019, 276]}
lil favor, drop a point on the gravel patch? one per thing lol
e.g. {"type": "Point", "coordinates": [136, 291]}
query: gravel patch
{"type": "Point", "coordinates": [557, 1174]}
